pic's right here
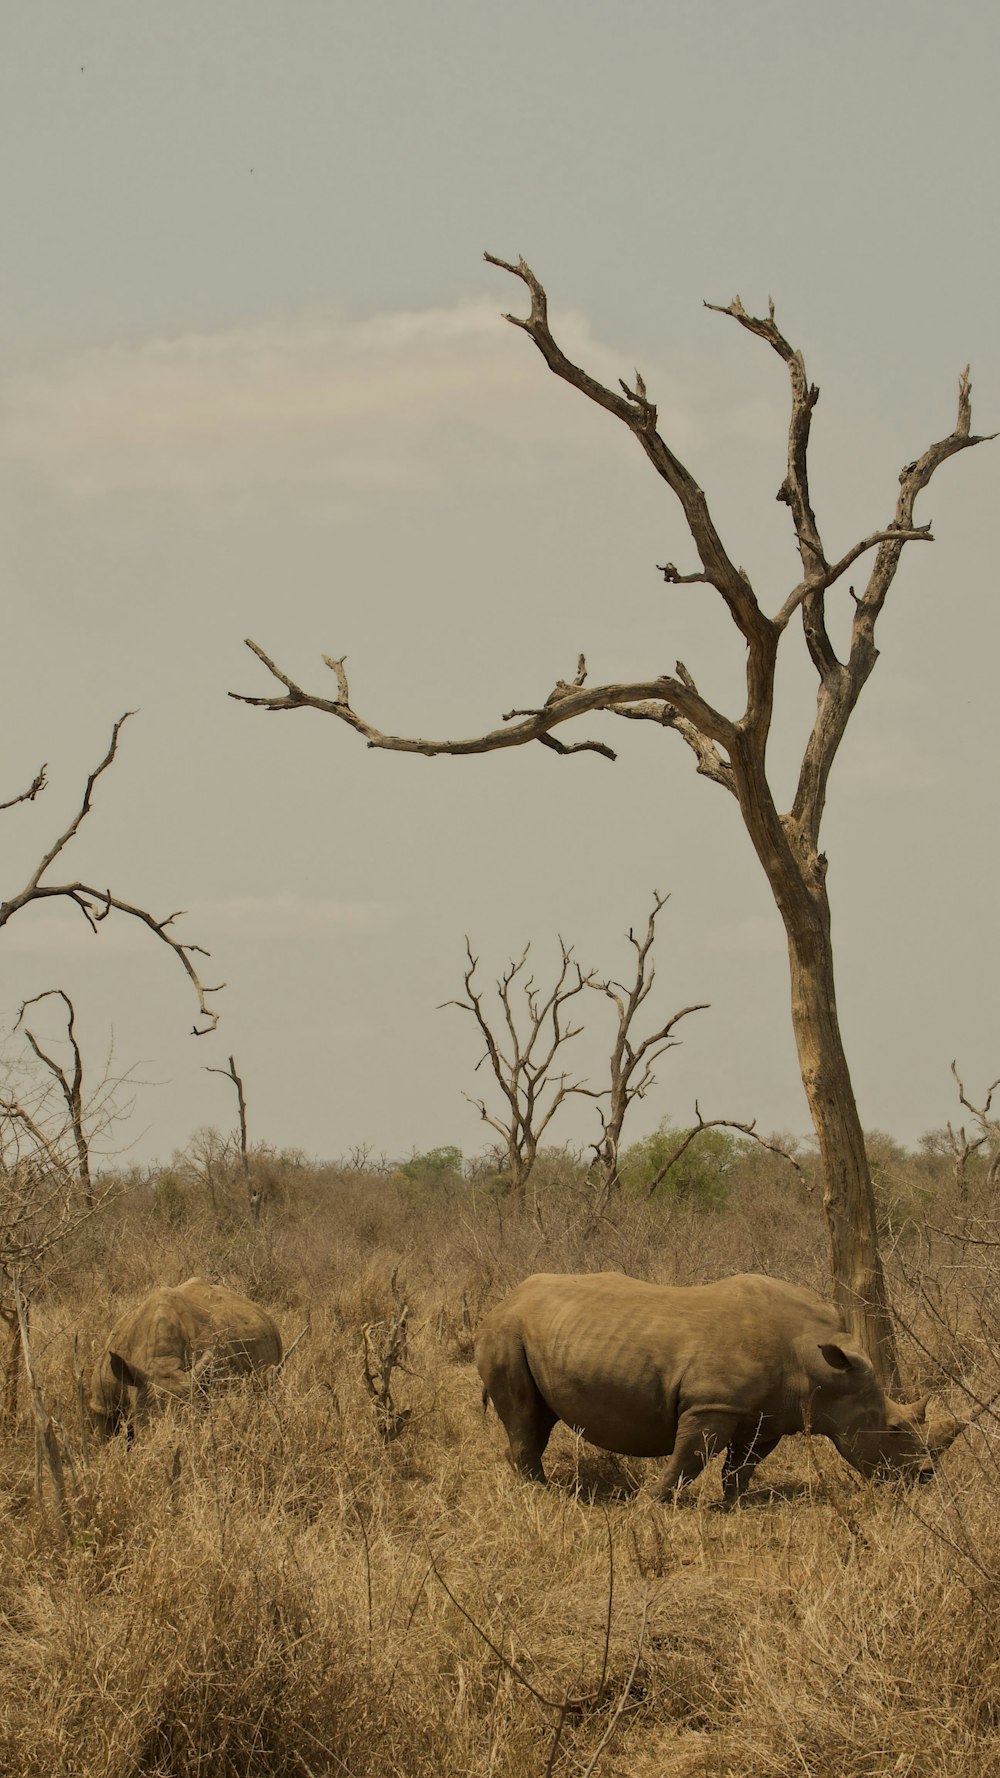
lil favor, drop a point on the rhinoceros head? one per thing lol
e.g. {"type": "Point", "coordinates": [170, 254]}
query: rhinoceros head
{"type": "Point", "coordinates": [878, 1436]}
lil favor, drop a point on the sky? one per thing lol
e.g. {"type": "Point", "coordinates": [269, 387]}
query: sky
{"type": "Point", "coordinates": [255, 380]}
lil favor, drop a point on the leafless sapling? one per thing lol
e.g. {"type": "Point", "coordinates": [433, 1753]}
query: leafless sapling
{"type": "Point", "coordinates": [963, 1148]}
{"type": "Point", "coordinates": [47, 1192]}
{"type": "Point", "coordinates": [522, 1058]}
{"type": "Point", "coordinates": [632, 1058]}
{"type": "Point", "coordinates": [252, 1187]}
{"type": "Point", "coordinates": [731, 749]}
{"type": "Point", "coordinates": [386, 1350]}
{"type": "Point", "coordinates": [70, 1084]}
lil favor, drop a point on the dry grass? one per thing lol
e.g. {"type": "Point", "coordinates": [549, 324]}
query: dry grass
{"type": "Point", "coordinates": [269, 1588]}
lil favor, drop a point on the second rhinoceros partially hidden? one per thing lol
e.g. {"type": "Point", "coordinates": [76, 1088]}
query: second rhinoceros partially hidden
{"type": "Point", "coordinates": [178, 1339]}
{"type": "Point", "coordinates": [652, 1370]}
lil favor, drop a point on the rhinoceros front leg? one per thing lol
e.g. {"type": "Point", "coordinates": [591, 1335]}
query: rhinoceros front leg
{"type": "Point", "coordinates": [745, 1451]}
{"type": "Point", "coordinates": [701, 1435]}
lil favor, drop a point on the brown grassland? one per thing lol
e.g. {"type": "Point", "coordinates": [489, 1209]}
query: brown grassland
{"type": "Point", "coordinates": [264, 1585]}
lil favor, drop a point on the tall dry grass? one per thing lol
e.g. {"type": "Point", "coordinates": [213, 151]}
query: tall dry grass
{"type": "Point", "coordinates": [268, 1587]}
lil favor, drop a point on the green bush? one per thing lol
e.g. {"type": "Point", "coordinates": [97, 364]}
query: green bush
{"type": "Point", "coordinates": [436, 1166]}
{"type": "Point", "coordinates": [703, 1174]}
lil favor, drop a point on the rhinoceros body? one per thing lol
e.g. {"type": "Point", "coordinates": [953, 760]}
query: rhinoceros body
{"type": "Point", "coordinates": [650, 1370]}
{"type": "Point", "coordinates": [178, 1339]}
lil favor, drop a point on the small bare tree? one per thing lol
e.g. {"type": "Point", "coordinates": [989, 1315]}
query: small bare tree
{"type": "Point", "coordinates": [963, 1147]}
{"type": "Point", "coordinates": [47, 1192]}
{"type": "Point", "coordinates": [70, 1085]}
{"type": "Point", "coordinates": [730, 748]}
{"type": "Point", "coordinates": [44, 1194]}
{"type": "Point", "coordinates": [632, 1059]}
{"type": "Point", "coordinates": [522, 1061]}
{"type": "Point", "coordinates": [252, 1188]}
{"type": "Point", "coordinates": [386, 1350]}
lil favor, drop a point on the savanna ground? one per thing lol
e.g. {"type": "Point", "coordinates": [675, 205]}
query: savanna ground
{"type": "Point", "coordinates": [265, 1585]}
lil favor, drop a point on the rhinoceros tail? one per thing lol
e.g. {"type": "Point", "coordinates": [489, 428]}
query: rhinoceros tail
{"type": "Point", "coordinates": [486, 1398]}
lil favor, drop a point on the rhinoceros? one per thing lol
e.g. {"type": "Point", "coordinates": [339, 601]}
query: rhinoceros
{"type": "Point", "coordinates": [177, 1340]}
{"type": "Point", "coordinates": [650, 1370]}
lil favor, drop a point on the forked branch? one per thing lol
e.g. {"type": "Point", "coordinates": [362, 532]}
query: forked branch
{"type": "Point", "coordinates": [566, 702]}
{"type": "Point", "coordinates": [27, 796]}
{"type": "Point", "coordinates": [70, 1085]}
{"type": "Point", "coordinates": [96, 904]}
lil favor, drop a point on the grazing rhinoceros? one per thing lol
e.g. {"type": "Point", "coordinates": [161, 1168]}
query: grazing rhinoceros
{"type": "Point", "coordinates": [654, 1371]}
{"type": "Point", "coordinates": [177, 1340]}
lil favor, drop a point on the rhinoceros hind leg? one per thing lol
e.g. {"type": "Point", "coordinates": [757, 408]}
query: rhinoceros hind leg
{"type": "Point", "coordinates": [700, 1435]}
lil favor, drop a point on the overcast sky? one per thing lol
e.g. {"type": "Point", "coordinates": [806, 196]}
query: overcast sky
{"type": "Point", "coordinates": [254, 381]}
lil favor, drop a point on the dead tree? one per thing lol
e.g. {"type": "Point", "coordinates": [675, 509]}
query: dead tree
{"type": "Point", "coordinates": [522, 1061]}
{"type": "Point", "coordinates": [252, 1189]}
{"type": "Point", "coordinates": [632, 1059]}
{"type": "Point", "coordinates": [386, 1349]}
{"type": "Point", "coordinates": [43, 1198]}
{"type": "Point", "coordinates": [730, 749]}
{"type": "Point", "coordinates": [97, 904]}
{"type": "Point", "coordinates": [42, 1205]}
{"type": "Point", "coordinates": [963, 1148]}
{"type": "Point", "coordinates": [70, 1085]}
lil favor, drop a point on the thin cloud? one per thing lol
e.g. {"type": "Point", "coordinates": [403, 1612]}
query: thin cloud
{"type": "Point", "coordinates": [393, 400]}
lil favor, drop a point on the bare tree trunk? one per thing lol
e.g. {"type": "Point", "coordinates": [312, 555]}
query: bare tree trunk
{"type": "Point", "coordinates": [848, 1198]}
{"type": "Point", "coordinates": [796, 873]}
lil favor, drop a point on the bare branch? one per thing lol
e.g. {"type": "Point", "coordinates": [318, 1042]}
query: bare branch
{"type": "Point", "coordinates": [27, 796]}
{"type": "Point", "coordinates": [97, 904]}
{"type": "Point", "coordinates": [674, 577]}
{"type": "Point", "coordinates": [841, 685]}
{"type": "Point", "coordinates": [570, 702]}
{"type": "Point", "coordinates": [639, 414]}
{"type": "Point", "coordinates": [84, 809]}
{"type": "Point", "coordinates": [71, 1088]}
{"type": "Point", "coordinates": [716, 1123]}
{"type": "Point", "coordinates": [794, 490]}
{"type": "Point", "coordinates": [818, 583]}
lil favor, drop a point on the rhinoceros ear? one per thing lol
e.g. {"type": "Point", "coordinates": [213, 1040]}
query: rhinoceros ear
{"type": "Point", "coordinates": [122, 1371]}
{"type": "Point", "coordinates": [838, 1359]}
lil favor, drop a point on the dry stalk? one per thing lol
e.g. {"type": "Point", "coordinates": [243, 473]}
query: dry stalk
{"type": "Point", "coordinates": [46, 1438]}
{"type": "Point", "coordinates": [568, 1704]}
{"type": "Point", "coordinates": [380, 1360]}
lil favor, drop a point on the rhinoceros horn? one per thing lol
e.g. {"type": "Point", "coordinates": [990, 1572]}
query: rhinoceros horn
{"type": "Point", "coordinates": [915, 1411]}
{"type": "Point", "coordinates": [943, 1432]}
